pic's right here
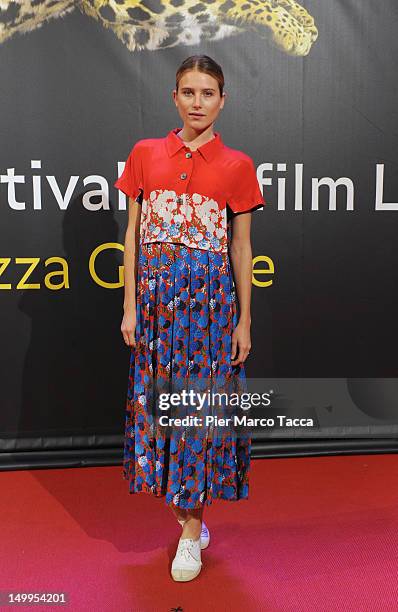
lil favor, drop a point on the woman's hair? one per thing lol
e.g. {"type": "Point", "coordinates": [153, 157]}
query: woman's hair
{"type": "Point", "coordinates": [203, 63]}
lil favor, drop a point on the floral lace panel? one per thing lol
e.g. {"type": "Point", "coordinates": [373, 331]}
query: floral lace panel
{"type": "Point", "coordinates": [191, 219]}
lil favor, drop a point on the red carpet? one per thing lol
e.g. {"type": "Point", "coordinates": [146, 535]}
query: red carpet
{"type": "Point", "coordinates": [317, 534]}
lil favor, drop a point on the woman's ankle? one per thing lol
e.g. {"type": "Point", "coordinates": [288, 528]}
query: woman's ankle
{"type": "Point", "coordinates": [192, 528]}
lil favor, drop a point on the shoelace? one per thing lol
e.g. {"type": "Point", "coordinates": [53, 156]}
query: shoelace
{"type": "Point", "coordinates": [184, 550]}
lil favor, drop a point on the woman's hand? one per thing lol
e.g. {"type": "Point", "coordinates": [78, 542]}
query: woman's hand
{"type": "Point", "coordinates": [128, 326]}
{"type": "Point", "coordinates": [241, 340]}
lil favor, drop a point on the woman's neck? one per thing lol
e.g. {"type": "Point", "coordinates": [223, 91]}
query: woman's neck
{"type": "Point", "coordinates": [195, 140]}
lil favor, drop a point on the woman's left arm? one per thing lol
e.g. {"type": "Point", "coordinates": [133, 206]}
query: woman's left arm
{"type": "Point", "coordinates": [241, 259]}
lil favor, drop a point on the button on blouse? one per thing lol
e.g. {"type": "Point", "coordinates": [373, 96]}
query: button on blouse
{"type": "Point", "coordinates": [185, 194]}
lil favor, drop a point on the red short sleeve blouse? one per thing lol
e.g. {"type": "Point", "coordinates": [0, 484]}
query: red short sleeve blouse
{"type": "Point", "coordinates": [185, 194]}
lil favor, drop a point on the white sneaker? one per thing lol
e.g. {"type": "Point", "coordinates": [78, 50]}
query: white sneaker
{"type": "Point", "coordinates": [187, 563]}
{"type": "Point", "coordinates": [204, 535]}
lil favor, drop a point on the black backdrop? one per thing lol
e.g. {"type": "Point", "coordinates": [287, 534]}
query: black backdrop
{"type": "Point", "coordinates": [75, 99]}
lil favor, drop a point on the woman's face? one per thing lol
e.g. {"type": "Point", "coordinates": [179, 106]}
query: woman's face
{"type": "Point", "coordinates": [198, 99]}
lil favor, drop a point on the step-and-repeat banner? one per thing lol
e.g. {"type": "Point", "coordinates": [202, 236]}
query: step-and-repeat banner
{"type": "Point", "coordinates": [312, 97]}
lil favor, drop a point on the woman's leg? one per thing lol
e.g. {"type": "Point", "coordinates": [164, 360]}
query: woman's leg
{"type": "Point", "coordinates": [193, 524]}
{"type": "Point", "coordinates": [179, 513]}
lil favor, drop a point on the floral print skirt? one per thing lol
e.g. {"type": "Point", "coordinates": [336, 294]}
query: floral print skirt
{"type": "Point", "coordinates": [186, 311]}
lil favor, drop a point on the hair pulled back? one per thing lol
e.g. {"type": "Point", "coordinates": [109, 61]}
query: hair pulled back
{"type": "Point", "coordinates": [202, 63]}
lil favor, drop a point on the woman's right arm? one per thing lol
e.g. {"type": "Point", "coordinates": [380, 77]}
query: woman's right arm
{"type": "Point", "coordinates": [130, 260]}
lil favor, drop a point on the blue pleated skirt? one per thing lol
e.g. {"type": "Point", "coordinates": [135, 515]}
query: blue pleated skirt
{"type": "Point", "coordinates": [186, 312]}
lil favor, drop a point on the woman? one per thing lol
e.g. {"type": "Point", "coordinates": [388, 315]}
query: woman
{"type": "Point", "coordinates": [180, 311]}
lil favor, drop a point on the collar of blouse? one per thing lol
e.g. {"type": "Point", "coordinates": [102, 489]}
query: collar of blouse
{"type": "Point", "coordinates": [208, 150]}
